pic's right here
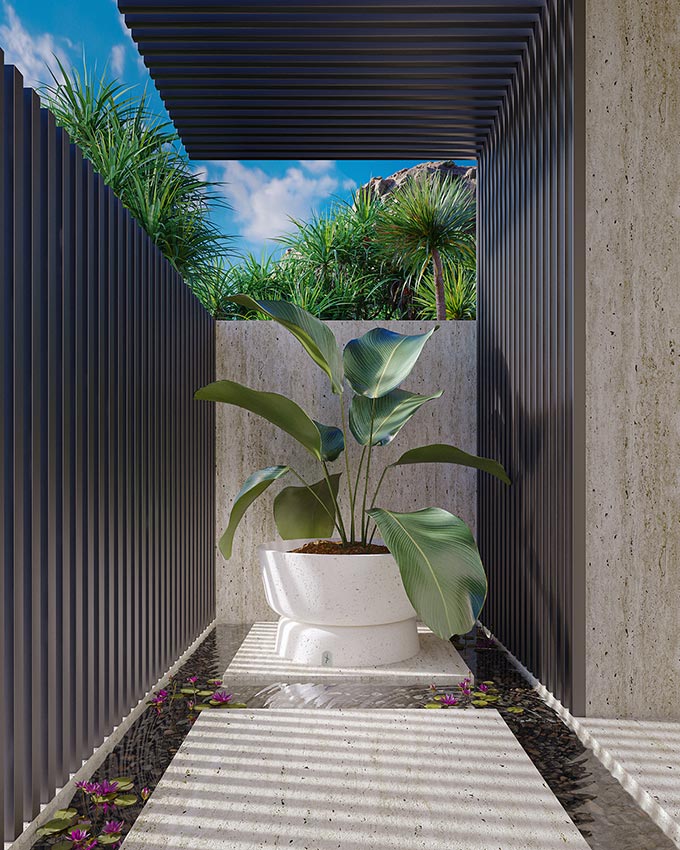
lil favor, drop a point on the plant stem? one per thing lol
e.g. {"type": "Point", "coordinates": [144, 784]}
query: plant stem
{"type": "Point", "coordinates": [438, 274]}
{"type": "Point", "coordinates": [356, 483]}
{"type": "Point", "coordinates": [343, 417]}
{"type": "Point", "coordinates": [364, 522]}
{"type": "Point", "coordinates": [377, 489]}
{"type": "Point", "coordinates": [320, 501]}
{"type": "Point", "coordinates": [340, 524]}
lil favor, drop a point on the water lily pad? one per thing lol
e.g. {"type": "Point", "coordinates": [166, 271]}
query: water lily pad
{"type": "Point", "coordinates": [479, 703]}
{"type": "Point", "coordinates": [124, 783]}
{"type": "Point", "coordinates": [125, 800]}
{"type": "Point", "coordinates": [201, 706]}
{"type": "Point", "coordinates": [433, 705]}
{"type": "Point", "coordinates": [234, 705]}
{"type": "Point", "coordinates": [190, 691]}
{"type": "Point", "coordinates": [515, 709]}
{"type": "Point", "coordinates": [63, 820]}
{"type": "Point", "coordinates": [205, 693]}
{"type": "Point", "coordinates": [108, 838]}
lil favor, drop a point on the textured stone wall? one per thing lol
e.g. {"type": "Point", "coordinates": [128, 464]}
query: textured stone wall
{"type": "Point", "coordinates": [265, 356]}
{"type": "Point", "coordinates": [632, 371]}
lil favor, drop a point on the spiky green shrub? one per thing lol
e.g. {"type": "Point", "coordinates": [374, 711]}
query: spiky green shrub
{"type": "Point", "coordinates": [427, 223]}
{"type": "Point", "coordinates": [138, 156]}
{"type": "Point", "coordinates": [460, 294]}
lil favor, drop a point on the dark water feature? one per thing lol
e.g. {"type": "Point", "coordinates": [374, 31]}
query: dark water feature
{"type": "Point", "coordinates": [606, 815]}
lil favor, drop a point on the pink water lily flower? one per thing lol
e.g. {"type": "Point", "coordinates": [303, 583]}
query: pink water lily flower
{"type": "Point", "coordinates": [448, 699]}
{"type": "Point", "coordinates": [222, 697]}
{"type": "Point", "coordinates": [145, 793]}
{"type": "Point", "coordinates": [483, 688]}
{"type": "Point", "coordinates": [113, 827]}
{"type": "Point", "coordinates": [192, 680]}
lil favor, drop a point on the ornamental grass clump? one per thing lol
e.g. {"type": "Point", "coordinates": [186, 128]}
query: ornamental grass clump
{"type": "Point", "coordinates": [138, 155]}
{"type": "Point", "coordinates": [435, 551]}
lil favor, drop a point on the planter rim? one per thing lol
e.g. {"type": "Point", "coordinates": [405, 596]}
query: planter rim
{"type": "Point", "coordinates": [287, 546]}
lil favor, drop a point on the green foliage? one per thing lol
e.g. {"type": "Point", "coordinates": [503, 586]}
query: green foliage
{"type": "Point", "coordinates": [426, 214]}
{"type": "Point", "coordinates": [435, 550]}
{"type": "Point", "coordinates": [139, 157]}
{"type": "Point", "coordinates": [460, 293]}
{"type": "Point", "coordinates": [344, 264]}
{"type": "Point", "coordinates": [307, 511]}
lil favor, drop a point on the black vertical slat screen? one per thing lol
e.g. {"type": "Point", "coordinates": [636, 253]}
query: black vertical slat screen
{"type": "Point", "coordinates": [107, 463]}
{"type": "Point", "coordinates": [528, 375]}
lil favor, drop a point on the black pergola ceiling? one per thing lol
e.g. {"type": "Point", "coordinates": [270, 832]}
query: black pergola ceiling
{"type": "Point", "coordinates": [353, 79]}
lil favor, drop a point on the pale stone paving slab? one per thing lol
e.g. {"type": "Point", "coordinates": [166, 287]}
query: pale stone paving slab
{"type": "Point", "coordinates": [648, 751]}
{"type": "Point", "coordinates": [349, 779]}
{"type": "Point", "coordinates": [257, 664]}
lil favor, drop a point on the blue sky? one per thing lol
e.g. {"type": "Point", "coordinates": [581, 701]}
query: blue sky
{"type": "Point", "coordinates": [262, 194]}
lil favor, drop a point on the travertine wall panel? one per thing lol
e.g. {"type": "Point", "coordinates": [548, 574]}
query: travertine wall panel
{"type": "Point", "coordinates": [632, 379]}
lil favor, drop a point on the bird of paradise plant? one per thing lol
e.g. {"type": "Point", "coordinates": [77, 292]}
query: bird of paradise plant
{"type": "Point", "coordinates": [435, 551]}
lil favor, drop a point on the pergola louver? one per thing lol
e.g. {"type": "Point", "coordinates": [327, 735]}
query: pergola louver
{"type": "Point", "coordinates": [344, 80]}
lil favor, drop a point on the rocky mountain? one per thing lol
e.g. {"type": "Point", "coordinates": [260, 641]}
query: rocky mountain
{"type": "Point", "coordinates": [382, 186]}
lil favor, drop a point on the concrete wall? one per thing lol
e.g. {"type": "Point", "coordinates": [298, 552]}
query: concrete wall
{"type": "Point", "coordinates": [632, 370]}
{"type": "Point", "coordinates": [265, 356]}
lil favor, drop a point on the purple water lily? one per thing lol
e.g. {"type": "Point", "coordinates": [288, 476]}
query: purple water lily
{"type": "Point", "coordinates": [113, 827]}
{"type": "Point", "coordinates": [80, 839]}
{"type": "Point", "coordinates": [88, 787]}
{"type": "Point", "coordinates": [106, 787]}
{"type": "Point", "coordinates": [192, 680]}
{"type": "Point", "coordinates": [483, 688]}
{"type": "Point", "coordinates": [448, 699]}
{"type": "Point", "coordinates": [145, 793]}
{"type": "Point", "coordinates": [158, 700]}
{"type": "Point", "coordinates": [222, 697]}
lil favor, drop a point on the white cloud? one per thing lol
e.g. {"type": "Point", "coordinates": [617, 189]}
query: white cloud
{"type": "Point", "coordinates": [264, 204]}
{"type": "Point", "coordinates": [117, 59]}
{"type": "Point", "coordinates": [318, 166]}
{"type": "Point", "coordinates": [349, 184]}
{"type": "Point", "coordinates": [30, 53]}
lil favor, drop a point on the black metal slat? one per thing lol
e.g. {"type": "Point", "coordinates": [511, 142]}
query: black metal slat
{"type": "Point", "coordinates": [21, 618]}
{"type": "Point", "coordinates": [6, 416]}
{"type": "Point", "coordinates": [37, 590]}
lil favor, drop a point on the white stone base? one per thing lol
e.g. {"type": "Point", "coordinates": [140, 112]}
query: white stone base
{"type": "Point", "coordinates": [352, 780]}
{"type": "Point", "coordinates": [256, 663]}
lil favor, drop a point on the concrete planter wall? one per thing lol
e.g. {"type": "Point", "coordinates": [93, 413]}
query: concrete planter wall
{"type": "Point", "coordinates": [265, 356]}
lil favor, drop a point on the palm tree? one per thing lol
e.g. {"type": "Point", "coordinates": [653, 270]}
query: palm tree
{"type": "Point", "coordinates": [428, 221]}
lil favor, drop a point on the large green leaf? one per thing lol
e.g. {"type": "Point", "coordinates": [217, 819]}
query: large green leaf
{"type": "Point", "coordinates": [332, 441]}
{"type": "Point", "coordinates": [299, 513]}
{"type": "Point", "coordinates": [377, 362]}
{"type": "Point", "coordinates": [276, 408]}
{"type": "Point", "coordinates": [441, 453]}
{"type": "Point", "coordinates": [439, 564]}
{"type": "Point", "coordinates": [392, 412]}
{"type": "Point", "coordinates": [255, 485]}
{"type": "Point", "coordinates": [316, 337]}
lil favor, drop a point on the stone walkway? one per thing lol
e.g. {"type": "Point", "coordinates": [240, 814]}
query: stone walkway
{"type": "Point", "coordinates": [644, 756]}
{"type": "Point", "coordinates": [352, 779]}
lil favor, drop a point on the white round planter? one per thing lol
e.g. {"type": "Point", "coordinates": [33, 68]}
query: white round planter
{"type": "Point", "coordinates": [338, 610]}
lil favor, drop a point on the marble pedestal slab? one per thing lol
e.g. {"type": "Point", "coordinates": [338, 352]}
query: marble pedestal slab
{"type": "Point", "coordinates": [257, 664]}
{"type": "Point", "coordinates": [352, 780]}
